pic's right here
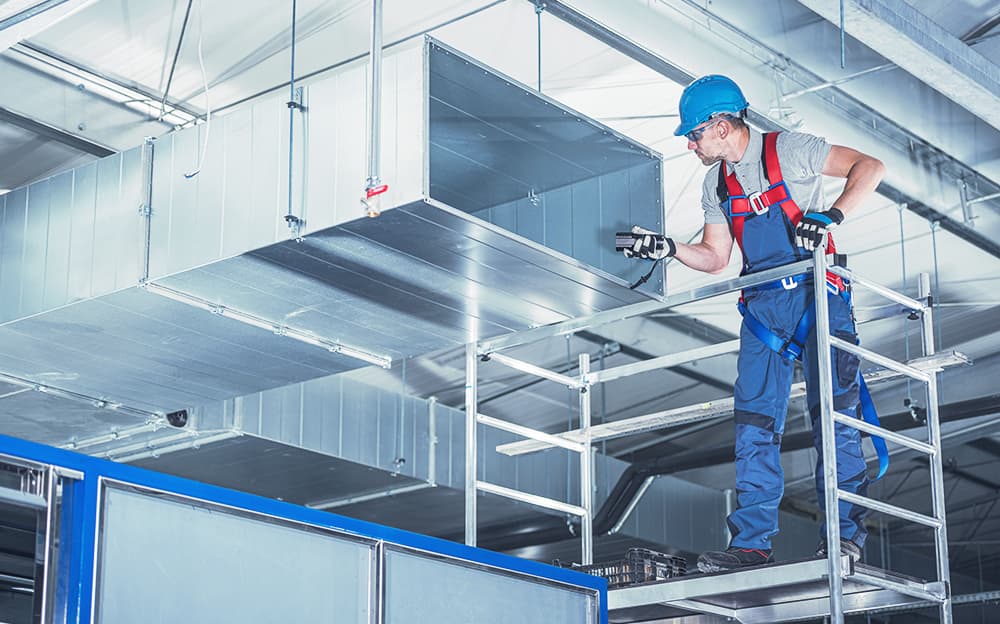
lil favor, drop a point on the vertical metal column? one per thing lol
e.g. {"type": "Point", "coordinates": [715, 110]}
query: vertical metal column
{"type": "Point", "coordinates": [586, 466]}
{"type": "Point", "coordinates": [433, 443]}
{"type": "Point", "coordinates": [934, 437]}
{"type": "Point", "coordinates": [471, 410]}
{"type": "Point", "coordinates": [43, 549]}
{"type": "Point", "coordinates": [926, 316]}
{"type": "Point", "coordinates": [374, 186]}
{"type": "Point", "coordinates": [828, 432]}
{"type": "Point", "coordinates": [294, 103]}
{"type": "Point", "coordinates": [146, 207]}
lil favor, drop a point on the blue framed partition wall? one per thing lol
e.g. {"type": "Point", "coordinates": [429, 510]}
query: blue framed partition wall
{"type": "Point", "coordinates": [135, 545]}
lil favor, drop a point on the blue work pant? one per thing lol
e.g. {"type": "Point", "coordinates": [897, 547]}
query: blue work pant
{"type": "Point", "coordinates": [761, 403]}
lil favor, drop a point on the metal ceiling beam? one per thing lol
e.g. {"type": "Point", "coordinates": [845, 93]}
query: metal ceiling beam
{"type": "Point", "coordinates": [910, 39]}
{"type": "Point", "coordinates": [24, 20]}
{"type": "Point", "coordinates": [636, 52]}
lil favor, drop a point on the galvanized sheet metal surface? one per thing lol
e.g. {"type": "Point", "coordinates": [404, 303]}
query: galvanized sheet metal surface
{"type": "Point", "coordinates": [421, 277]}
{"type": "Point", "coordinates": [543, 268]}
{"type": "Point", "coordinates": [508, 138]}
{"type": "Point", "coordinates": [502, 151]}
{"type": "Point", "coordinates": [239, 199]}
{"type": "Point", "coordinates": [73, 236]}
{"type": "Point", "coordinates": [153, 353]}
{"type": "Point", "coordinates": [581, 220]}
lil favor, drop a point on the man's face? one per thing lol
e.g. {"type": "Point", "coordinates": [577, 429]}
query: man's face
{"type": "Point", "coordinates": [706, 143]}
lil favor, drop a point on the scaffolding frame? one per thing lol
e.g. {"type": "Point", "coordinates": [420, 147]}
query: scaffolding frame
{"type": "Point", "coordinates": [923, 369]}
{"type": "Point", "coordinates": [473, 485]}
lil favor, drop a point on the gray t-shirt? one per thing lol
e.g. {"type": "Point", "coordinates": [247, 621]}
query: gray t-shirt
{"type": "Point", "coordinates": [801, 156]}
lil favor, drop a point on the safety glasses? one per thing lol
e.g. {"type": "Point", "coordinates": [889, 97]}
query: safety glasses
{"type": "Point", "coordinates": [695, 135]}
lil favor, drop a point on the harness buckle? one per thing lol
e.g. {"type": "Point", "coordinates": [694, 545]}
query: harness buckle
{"type": "Point", "coordinates": [788, 283]}
{"type": "Point", "coordinates": [835, 283]}
{"type": "Point", "coordinates": [757, 205]}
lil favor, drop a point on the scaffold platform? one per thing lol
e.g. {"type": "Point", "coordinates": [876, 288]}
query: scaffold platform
{"type": "Point", "coordinates": [782, 592]}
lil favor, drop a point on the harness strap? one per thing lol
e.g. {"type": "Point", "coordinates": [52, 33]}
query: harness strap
{"type": "Point", "coordinates": [870, 416]}
{"type": "Point", "coordinates": [835, 284]}
{"type": "Point", "coordinates": [792, 348]}
{"type": "Point", "coordinates": [739, 206]}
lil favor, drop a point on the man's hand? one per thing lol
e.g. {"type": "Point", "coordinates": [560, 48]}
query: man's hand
{"type": "Point", "coordinates": [649, 245]}
{"type": "Point", "coordinates": [814, 226]}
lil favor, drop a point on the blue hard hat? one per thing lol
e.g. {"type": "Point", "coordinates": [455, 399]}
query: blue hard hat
{"type": "Point", "coordinates": [707, 96]}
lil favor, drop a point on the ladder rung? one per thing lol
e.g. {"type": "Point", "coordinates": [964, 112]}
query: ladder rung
{"type": "Point", "coordinates": [530, 433]}
{"type": "Point", "coordinates": [892, 436]}
{"type": "Point", "coordinates": [531, 369]}
{"type": "Point", "coordinates": [881, 360]}
{"type": "Point", "coordinates": [886, 508]}
{"type": "Point", "coordinates": [922, 591]}
{"type": "Point", "coordinates": [531, 499]}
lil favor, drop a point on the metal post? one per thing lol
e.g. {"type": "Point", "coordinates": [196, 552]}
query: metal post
{"type": "Point", "coordinates": [433, 445]}
{"type": "Point", "coordinates": [828, 433]}
{"type": "Point", "coordinates": [843, 42]}
{"type": "Point", "coordinates": [586, 465]}
{"type": "Point", "coordinates": [937, 473]}
{"type": "Point", "coordinates": [471, 409]}
{"type": "Point", "coordinates": [963, 199]}
{"type": "Point", "coordinates": [539, 7]}
{"type": "Point", "coordinates": [294, 103]}
{"type": "Point", "coordinates": [146, 205]}
{"type": "Point", "coordinates": [927, 316]}
{"type": "Point", "coordinates": [938, 497]}
{"type": "Point", "coordinates": [374, 186]}
{"type": "Point", "coordinates": [43, 548]}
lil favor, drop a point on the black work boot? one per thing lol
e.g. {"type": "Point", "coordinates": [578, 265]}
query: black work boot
{"type": "Point", "coordinates": [847, 549]}
{"type": "Point", "coordinates": [734, 558]}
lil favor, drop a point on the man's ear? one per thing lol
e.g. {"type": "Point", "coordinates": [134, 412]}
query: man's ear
{"type": "Point", "coordinates": [724, 128]}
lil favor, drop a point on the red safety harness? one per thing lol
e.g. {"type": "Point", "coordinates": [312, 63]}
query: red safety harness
{"type": "Point", "coordinates": [739, 206]}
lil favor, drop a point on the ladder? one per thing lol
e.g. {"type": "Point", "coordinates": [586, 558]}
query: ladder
{"type": "Point", "coordinates": [941, 592]}
{"type": "Point", "coordinates": [473, 485]}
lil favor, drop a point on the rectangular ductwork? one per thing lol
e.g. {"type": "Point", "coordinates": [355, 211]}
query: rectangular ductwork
{"type": "Point", "coordinates": [129, 281]}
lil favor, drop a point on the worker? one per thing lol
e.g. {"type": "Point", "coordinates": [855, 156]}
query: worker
{"type": "Point", "coordinates": [766, 193]}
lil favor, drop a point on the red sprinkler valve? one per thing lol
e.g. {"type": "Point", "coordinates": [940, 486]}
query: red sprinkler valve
{"type": "Point", "coordinates": [372, 199]}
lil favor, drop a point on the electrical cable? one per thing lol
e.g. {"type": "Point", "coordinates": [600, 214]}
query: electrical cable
{"type": "Point", "coordinates": [204, 78]}
{"type": "Point", "coordinates": [645, 278]}
{"type": "Point", "coordinates": [173, 64]}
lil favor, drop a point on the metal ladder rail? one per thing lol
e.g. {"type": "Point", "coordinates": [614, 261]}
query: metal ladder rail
{"type": "Point", "coordinates": [473, 485]}
{"type": "Point", "coordinates": [829, 417]}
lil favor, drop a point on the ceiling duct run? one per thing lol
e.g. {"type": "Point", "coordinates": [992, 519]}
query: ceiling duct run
{"type": "Point", "coordinates": [125, 280]}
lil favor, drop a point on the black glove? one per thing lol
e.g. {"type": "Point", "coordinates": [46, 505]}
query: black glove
{"type": "Point", "coordinates": [649, 245]}
{"type": "Point", "coordinates": [814, 226]}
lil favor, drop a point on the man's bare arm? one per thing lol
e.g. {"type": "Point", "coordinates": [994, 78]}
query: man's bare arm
{"type": "Point", "coordinates": [712, 253]}
{"type": "Point", "coordinates": [862, 171]}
